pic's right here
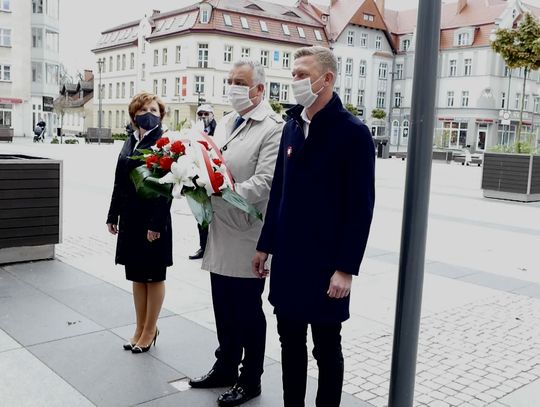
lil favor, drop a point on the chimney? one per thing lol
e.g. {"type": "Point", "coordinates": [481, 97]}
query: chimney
{"type": "Point", "coordinates": [461, 4]}
{"type": "Point", "coordinates": [88, 75]}
{"type": "Point", "coordinates": [380, 6]}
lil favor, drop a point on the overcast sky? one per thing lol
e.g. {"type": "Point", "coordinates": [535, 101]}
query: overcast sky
{"type": "Point", "coordinates": [82, 21]}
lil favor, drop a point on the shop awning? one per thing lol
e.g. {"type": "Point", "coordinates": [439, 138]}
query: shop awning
{"type": "Point", "coordinates": [10, 100]}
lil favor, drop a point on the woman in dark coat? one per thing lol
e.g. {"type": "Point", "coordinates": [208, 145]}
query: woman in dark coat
{"type": "Point", "coordinates": [143, 226]}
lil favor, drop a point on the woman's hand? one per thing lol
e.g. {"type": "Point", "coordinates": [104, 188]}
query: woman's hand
{"type": "Point", "coordinates": [113, 229]}
{"type": "Point", "coordinates": [151, 235]}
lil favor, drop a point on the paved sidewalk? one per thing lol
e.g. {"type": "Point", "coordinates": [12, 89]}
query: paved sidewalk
{"type": "Point", "coordinates": [480, 328]}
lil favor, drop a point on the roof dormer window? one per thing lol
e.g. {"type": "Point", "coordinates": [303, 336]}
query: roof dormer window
{"type": "Point", "coordinates": [369, 17]}
{"type": "Point", "coordinates": [244, 22]}
{"type": "Point", "coordinates": [264, 27]}
{"type": "Point", "coordinates": [463, 37]}
{"type": "Point", "coordinates": [301, 32]}
{"type": "Point", "coordinates": [227, 20]}
{"type": "Point", "coordinates": [318, 35]}
{"type": "Point", "coordinates": [205, 13]}
{"type": "Point", "coordinates": [285, 29]}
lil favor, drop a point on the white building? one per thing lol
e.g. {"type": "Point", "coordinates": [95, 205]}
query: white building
{"type": "Point", "coordinates": [477, 103]}
{"type": "Point", "coordinates": [184, 56]}
{"type": "Point", "coordinates": [75, 105]}
{"type": "Point", "coordinates": [29, 63]}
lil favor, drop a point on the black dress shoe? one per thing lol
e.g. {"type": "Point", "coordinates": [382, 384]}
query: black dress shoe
{"type": "Point", "coordinates": [212, 379]}
{"type": "Point", "coordinates": [237, 395]}
{"type": "Point", "coordinates": [197, 255]}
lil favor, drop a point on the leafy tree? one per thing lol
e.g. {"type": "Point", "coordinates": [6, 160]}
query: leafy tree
{"type": "Point", "coordinates": [378, 114]}
{"type": "Point", "coordinates": [276, 106]}
{"type": "Point", "coordinates": [519, 47]}
{"type": "Point", "coordinates": [352, 109]}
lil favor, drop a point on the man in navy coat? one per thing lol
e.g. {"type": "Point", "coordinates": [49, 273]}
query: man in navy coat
{"type": "Point", "coordinates": [316, 226]}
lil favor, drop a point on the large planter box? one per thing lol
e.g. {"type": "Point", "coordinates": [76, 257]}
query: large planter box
{"type": "Point", "coordinates": [30, 207]}
{"type": "Point", "coordinates": [515, 177]}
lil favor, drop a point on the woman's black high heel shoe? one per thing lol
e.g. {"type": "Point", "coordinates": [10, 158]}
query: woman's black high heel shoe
{"type": "Point", "coordinates": [128, 346]}
{"type": "Point", "coordinates": [142, 349]}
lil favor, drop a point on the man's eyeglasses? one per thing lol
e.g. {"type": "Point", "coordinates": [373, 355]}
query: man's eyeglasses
{"type": "Point", "coordinates": [203, 114]}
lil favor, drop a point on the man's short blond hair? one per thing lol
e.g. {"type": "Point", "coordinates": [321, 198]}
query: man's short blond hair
{"type": "Point", "coordinates": [325, 57]}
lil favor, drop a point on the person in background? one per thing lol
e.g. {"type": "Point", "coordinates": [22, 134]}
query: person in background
{"type": "Point", "coordinates": [143, 226]}
{"type": "Point", "coordinates": [205, 114]}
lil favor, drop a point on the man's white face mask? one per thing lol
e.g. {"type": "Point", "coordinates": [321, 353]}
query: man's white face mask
{"type": "Point", "coordinates": [239, 97]}
{"type": "Point", "coordinates": [303, 93]}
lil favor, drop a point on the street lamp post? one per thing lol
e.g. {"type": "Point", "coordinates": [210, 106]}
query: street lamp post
{"type": "Point", "coordinates": [100, 67]}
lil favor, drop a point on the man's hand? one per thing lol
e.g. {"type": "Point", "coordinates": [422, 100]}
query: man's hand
{"type": "Point", "coordinates": [257, 264]}
{"type": "Point", "coordinates": [113, 229]}
{"type": "Point", "coordinates": [151, 235]}
{"type": "Point", "coordinates": [340, 285]}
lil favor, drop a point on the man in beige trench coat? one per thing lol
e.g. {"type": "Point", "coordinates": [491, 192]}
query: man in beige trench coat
{"type": "Point", "coordinates": [249, 139]}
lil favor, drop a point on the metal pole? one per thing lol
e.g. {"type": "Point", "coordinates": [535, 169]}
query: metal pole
{"type": "Point", "coordinates": [100, 64]}
{"type": "Point", "coordinates": [416, 204]}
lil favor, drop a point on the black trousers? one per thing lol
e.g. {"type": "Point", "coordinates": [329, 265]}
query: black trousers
{"type": "Point", "coordinates": [241, 327]}
{"type": "Point", "coordinates": [203, 236]}
{"type": "Point", "coordinates": [294, 361]}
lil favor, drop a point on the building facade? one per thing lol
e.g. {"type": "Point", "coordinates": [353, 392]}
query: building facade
{"type": "Point", "coordinates": [74, 106]}
{"type": "Point", "coordinates": [185, 55]}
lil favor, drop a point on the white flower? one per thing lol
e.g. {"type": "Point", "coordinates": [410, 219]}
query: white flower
{"type": "Point", "coordinates": [181, 174]}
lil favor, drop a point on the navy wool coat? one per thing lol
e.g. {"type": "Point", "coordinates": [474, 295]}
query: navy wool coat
{"type": "Point", "coordinates": [319, 212]}
{"type": "Point", "coordinates": [135, 215]}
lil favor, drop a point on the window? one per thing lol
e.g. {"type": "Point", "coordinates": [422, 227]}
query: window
{"type": "Point", "coordinates": [199, 84]}
{"type": "Point", "coordinates": [178, 54]}
{"type": "Point", "coordinates": [5, 37]}
{"type": "Point", "coordinates": [37, 6]}
{"type": "Point", "coordinates": [284, 93]}
{"type": "Point", "coordinates": [228, 54]}
{"type": "Point", "coordinates": [155, 86]}
{"type": "Point", "coordinates": [37, 38]}
{"type": "Point", "coordinates": [360, 97]}
{"type": "Point", "coordinates": [156, 57]}
{"type": "Point", "coordinates": [285, 28]}
{"type": "Point", "coordinates": [264, 27]}
{"type": "Point", "coordinates": [378, 42]}
{"type": "Point", "coordinates": [455, 133]}
{"type": "Point", "coordinates": [110, 64]}
{"type": "Point", "coordinates": [123, 90]}
{"type": "Point", "coordinates": [203, 56]}
{"type": "Point", "coordinates": [537, 105]}
{"type": "Point", "coordinates": [450, 99]}
{"type": "Point", "coordinates": [350, 38]}
{"type": "Point", "coordinates": [506, 71]}
{"type": "Point", "coordinates": [264, 58]}
{"type": "Point", "coordinates": [301, 32]}
{"type": "Point", "coordinates": [348, 66]}
{"type": "Point", "coordinates": [518, 99]}
{"type": "Point", "coordinates": [363, 40]}
{"type": "Point", "coordinates": [118, 62]}
{"type": "Point", "coordinates": [51, 40]}
{"type": "Point", "coordinates": [453, 67]}
{"type": "Point", "coordinates": [380, 100]}
{"type": "Point", "coordinates": [205, 16]}
{"type": "Point", "coordinates": [110, 91]}
{"type": "Point", "coordinates": [117, 121]}
{"type": "Point", "coordinates": [123, 62]}
{"type": "Point", "coordinates": [164, 87]}
{"type": "Point", "coordinates": [397, 99]}
{"type": "Point", "coordinates": [37, 72]}
{"type": "Point", "coordinates": [177, 86]}
{"type": "Point", "coordinates": [5, 114]}
{"type": "Point", "coordinates": [131, 89]}
{"type": "Point", "coordinates": [245, 52]}
{"type": "Point", "coordinates": [503, 100]}
{"type": "Point", "coordinates": [339, 65]}
{"type": "Point", "coordinates": [225, 87]}
{"type": "Point", "coordinates": [51, 74]}
{"type": "Point", "coordinates": [464, 39]}
{"type": "Point", "coordinates": [5, 5]}
{"type": "Point", "coordinates": [5, 73]}
{"type": "Point", "coordinates": [383, 69]}
{"type": "Point", "coordinates": [123, 121]}
{"type": "Point", "coordinates": [405, 44]}
{"type": "Point", "coordinates": [286, 59]}
{"type": "Point", "coordinates": [143, 72]}
{"type": "Point", "coordinates": [52, 8]}
{"type": "Point", "coordinates": [369, 17]}
{"type": "Point", "coordinates": [399, 71]}
{"type": "Point", "coordinates": [347, 95]}
{"type": "Point", "coordinates": [318, 35]}
{"type": "Point", "coordinates": [110, 117]}
{"type": "Point", "coordinates": [227, 20]}
{"type": "Point", "coordinates": [164, 56]}
{"type": "Point", "coordinates": [244, 23]}
{"type": "Point", "coordinates": [117, 90]}
{"type": "Point", "coordinates": [132, 61]}
{"type": "Point", "coordinates": [467, 71]}
{"type": "Point", "coordinates": [526, 102]}
{"type": "Point", "coordinates": [465, 98]}
{"type": "Point", "coordinates": [362, 68]}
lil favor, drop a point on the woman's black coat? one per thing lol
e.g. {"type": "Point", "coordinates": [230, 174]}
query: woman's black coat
{"type": "Point", "coordinates": [135, 215]}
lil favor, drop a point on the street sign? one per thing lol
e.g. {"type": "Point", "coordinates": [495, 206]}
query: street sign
{"type": "Point", "coordinates": [505, 122]}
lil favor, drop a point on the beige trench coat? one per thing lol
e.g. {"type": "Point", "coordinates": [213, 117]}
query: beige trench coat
{"type": "Point", "coordinates": [250, 152]}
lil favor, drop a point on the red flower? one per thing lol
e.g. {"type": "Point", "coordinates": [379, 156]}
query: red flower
{"type": "Point", "coordinates": [219, 179]}
{"type": "Point", "coordinates": [151, 160]}
{"type": "Point", "coordinates": [165, 163]}
{"type": "Point", "coordinates": [204, 143]}
{"type": "Point", "coordinates": [217, 161]}
{"type": "Point", "coordinates": [178, 147]}
{"type": "Point", "coordinates": [162, 142]}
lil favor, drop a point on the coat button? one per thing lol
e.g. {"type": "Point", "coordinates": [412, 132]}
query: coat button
{"type": "Point", "coordinates": [224, 148]}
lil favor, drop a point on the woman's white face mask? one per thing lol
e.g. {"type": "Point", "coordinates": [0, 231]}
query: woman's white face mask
{"type": "Point", "coordinates": [303, 93]}
{"type": "Point", "coordinates": [239, 97]}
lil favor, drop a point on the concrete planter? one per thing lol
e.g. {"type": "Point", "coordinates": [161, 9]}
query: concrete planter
{"type": "Point", "coordinates": [515, 177]}
{"type": "Point", "coordinates": [30, 207]}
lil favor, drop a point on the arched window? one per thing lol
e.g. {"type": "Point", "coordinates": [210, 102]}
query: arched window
{"type": "Point", "coordinates": [405, 129]}
{"type": "Point", "coordinates": [395, 132]}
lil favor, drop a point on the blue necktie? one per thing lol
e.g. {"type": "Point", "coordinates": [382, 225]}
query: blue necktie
{"type": "Point", "coordinates": [239, 120]}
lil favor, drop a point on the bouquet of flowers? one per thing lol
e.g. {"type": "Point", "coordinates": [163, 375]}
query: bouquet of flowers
{"type": "Point", "coordinates": [188, 164]}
